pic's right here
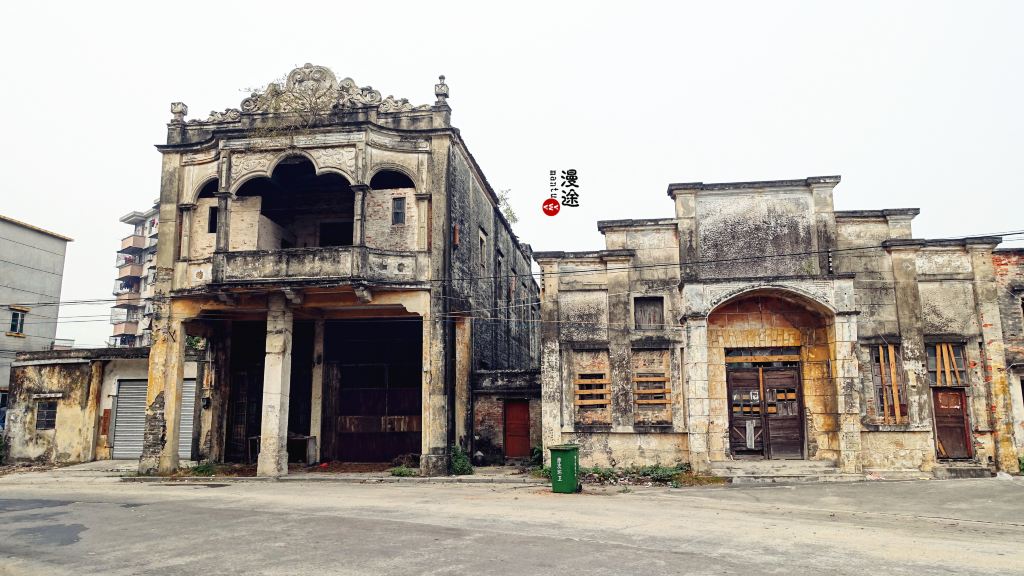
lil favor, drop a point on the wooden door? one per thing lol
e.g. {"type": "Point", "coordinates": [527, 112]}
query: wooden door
{"type": "Point", "coordinates": [746, 426]}
{"type": "Point", "coordinates": [517, 428]}
{"type": "Point", "coordinates": [764, 413]}
{"type": "Point", "coordinates": [782, 413]}
{"type": "Point", "coordinates": [952, 434]}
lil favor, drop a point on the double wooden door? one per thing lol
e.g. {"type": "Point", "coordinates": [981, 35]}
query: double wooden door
{"type": "Point", "coordinates": [765, 416]}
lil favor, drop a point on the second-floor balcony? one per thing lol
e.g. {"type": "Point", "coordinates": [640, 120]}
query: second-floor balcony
{"type": "Point", "coordinates": [133, 244]}
{"type": "Point", "coordinates": [129, 270]}
{"type": "Point", "coordinates": [356, 263]}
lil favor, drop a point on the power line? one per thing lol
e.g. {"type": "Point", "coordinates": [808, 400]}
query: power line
{"type": "Point", "coordinates": [600, 270]}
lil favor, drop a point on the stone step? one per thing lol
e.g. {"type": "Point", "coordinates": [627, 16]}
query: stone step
{"type": "Point", "coordinates": [955, 470]}
{"type": "Point", "coordinates": [795, 478]}
{"type": "Point", "coordinates": [773, 468]}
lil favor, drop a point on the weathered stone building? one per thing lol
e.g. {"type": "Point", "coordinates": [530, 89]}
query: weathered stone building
{"type": "Point", "coordinates": [70, 406]}
{"type": "Point", "coordinates": [760, 323]}
{"type": "Point", "coordinates": [348, 265]}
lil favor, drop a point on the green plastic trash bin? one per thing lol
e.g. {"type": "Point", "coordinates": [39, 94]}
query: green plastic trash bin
{"type": "Point", "coordinates": [565, 467]}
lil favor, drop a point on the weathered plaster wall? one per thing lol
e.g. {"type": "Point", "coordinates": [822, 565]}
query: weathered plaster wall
{"type": "Point", "coordinates": [69, 441]}
{"type": "Point", "coordinates": [773, 224]}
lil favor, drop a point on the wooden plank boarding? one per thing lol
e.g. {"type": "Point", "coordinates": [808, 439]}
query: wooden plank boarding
{"type": "Point", "coordinates": [895, 385]}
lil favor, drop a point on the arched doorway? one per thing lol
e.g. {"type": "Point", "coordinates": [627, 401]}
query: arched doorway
{"type": "Point", "coordinates": [770, 367]}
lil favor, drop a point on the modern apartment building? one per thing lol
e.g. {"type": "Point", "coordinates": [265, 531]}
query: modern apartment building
{"type": "Point", "coordinates": [133, 287]}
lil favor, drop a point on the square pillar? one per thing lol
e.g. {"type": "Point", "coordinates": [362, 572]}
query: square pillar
{"type": "Point", "coordinates": [277, 373]}
{"type": "Point", "coordinates": [316, 411]}
{"type": "Point", "coordinates": [358, 230]}
{"type": "Point", "coordinates": [698, 403]}
{"type": "Point", "coordinates": [163, 394]}
{"type": "Point", "coordinates": [845, 374]}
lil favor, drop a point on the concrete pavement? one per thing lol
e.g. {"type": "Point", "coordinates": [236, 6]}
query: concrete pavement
{"type": "Point", "coordinates": [919, 528]}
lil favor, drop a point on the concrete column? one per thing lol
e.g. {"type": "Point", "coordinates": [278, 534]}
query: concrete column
{"type": "Point", "coordinates": [698, 402]}
{"type": "Point", "coordinates": [908, 312]}
{"type": "Point", "coordinates": [90, 433]}
{"type": "Point", "coordinates": [223, 221]}
{"type": "Point", "coordinates": [184, 245]}
{"type": "Point", "coordinates": [316, 411]}
{"type": "Point", "coordinates": [986, 298]}
{"type": "Point", "coordinates": [358, 230]}
{"type": "Point", "coordinates": [686, 224]}
{"type": "Point", "coordinates": [846, 373]}
{"type": "Point", "coordinates": [163, 393]}
{"type": "Point", "coordinates": [552, 397]}
{"type": "Point", "coordinates": [277, 374]}
{"type": "Point", "coordinates": [619, 322]}
{"type": "Point", "coordinates": [434, 436]}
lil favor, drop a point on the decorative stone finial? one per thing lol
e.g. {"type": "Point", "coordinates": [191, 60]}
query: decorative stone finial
{"type": "Point", "coordinates": [179, 110]}
{"type": "Point", "coordinates": [441, 91]}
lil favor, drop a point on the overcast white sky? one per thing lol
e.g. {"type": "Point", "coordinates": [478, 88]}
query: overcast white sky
{"type": "Point", "coordinates": [914, 104]}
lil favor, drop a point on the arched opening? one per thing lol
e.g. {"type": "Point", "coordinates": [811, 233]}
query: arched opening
{"type": "Point", "coordinates": [297, 208]}
{"type": "Point", "coordinates": [209, 190]}
{"type": "Point", "coordinates": [390, 180]}
{"type": "Point", "coordinates": [770, 358]}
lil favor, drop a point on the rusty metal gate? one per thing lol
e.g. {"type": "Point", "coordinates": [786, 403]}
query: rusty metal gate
{"type": "Point", "coordinates": [765, 418]}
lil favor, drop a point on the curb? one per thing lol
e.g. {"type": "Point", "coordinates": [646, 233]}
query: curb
{"type": "Point", "coordinates": [340, 480]}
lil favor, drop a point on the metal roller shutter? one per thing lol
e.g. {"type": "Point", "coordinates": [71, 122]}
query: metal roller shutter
{"type": "Point", "coordinates": [130, 419]}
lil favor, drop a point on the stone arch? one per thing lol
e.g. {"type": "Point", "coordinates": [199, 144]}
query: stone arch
{"type": "Point", "coordinates": [770, 323]}
{"type": "Point", "coordinates": [393, 167]}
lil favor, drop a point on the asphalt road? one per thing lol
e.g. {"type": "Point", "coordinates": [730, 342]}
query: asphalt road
{"type": "Point", "coordinates": [915, 528]}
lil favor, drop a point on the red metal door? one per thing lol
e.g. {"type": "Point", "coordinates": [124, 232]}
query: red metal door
{"type": "Point", "coordinates": [952, 437]}
{"type": "Point", "coordinates": [517, 429]}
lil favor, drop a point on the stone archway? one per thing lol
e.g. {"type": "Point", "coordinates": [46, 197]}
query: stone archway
{"type": "Point", "coordinates": [833, 420]}
{"type": "Point", "coordinates": [770, 380]}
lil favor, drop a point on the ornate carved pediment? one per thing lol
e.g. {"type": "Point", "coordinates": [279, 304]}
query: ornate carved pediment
{"type": "Point", "coordinates": [316, 89]}
{"type": "Point", "coordinates": [310, 90]}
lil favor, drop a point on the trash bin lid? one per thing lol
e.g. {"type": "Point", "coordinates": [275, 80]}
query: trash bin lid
{"type": "Point", "coordinates": [564, 447]}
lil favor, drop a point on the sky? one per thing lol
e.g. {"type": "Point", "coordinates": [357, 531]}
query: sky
{"type": "Point", "coordinates": [914, 104]}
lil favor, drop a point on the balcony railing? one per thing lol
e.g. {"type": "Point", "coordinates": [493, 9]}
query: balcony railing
{"type": "Point", "coordinates": [305, 264]}
{"type": "Point", "coordinates": [133, 244]}
{"type": "Point", "coordinates": [129, 270]}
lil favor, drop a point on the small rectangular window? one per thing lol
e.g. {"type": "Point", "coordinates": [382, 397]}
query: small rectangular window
{"type": "Point", "coordinates": [483, 249]}
{"type": "Point", "coordinates": [946, 365]}
{"type": "Point", "coordinates": [397, 211]}
{"type": "Point", "coordinates": [211, 220]}
{"type": "Point", "coordinates": [46, 415]}
{"type": "Point", "coordinates": [649, 313]}
{"type": "Point", "coordinates": [17, 322]}
{"type": "Point", "coordinates": [890, 387]}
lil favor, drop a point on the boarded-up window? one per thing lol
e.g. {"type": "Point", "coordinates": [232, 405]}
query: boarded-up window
{"type": "Point", "coordinates": [651, 390]}
{"type": "Point", "coordinates": [890, 388]}
{"type": "Point", "coordinates": [592, 386]}
{"type": "Point", "coordinates": [946, 365]}
{"type": "Point", "coordinates": [649, 313]}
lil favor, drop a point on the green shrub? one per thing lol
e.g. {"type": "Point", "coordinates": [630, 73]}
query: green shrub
{"type": "Point", "coordinates": [404, 471]}
{"type": "Point", "coordinates": [461, 465]}
{"type": "Point", "coordinates": [536, 456]}
{"type": "Point", "coordinates": [3, 449]}
{"type": "Point", "coordinates": [204, 469]}
{"type": "Point", "coordinates": [541, 472]}
{"type": "Point", "coordinates": [1020, 463]}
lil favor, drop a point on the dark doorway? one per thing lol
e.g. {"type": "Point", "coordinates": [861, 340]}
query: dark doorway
{"type": "Point", "coordinates": [373, 384]}
{"type": "Point", "coordinates": [517, 428]}
{"type": "Point", "coordinates": [952, 434]}
{"type": "Point", "coordinates": [245, 396]}
{"type": "Point", "coordinates": [764, 413]}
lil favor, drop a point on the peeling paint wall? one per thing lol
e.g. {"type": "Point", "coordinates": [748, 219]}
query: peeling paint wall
{"type": "Point", "coordinates": [65, 443]}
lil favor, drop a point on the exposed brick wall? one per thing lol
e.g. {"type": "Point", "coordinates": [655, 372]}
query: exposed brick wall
{"type": "Point", "coordinates": [1009, 270]}
{"type": "Point", "coordinates": [378, 229]}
